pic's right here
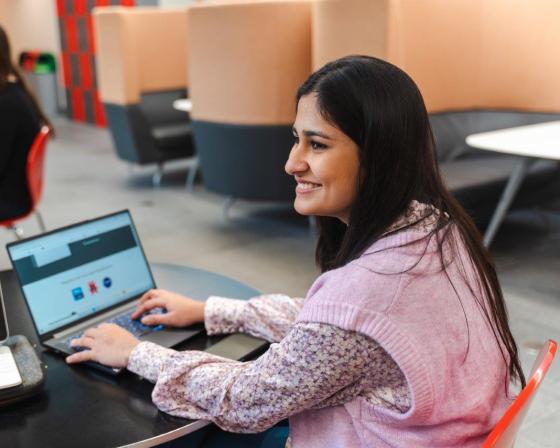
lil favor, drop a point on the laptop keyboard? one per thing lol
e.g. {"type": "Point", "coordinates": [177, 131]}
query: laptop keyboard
{"type": "Point", "coordinates": [123, 320]}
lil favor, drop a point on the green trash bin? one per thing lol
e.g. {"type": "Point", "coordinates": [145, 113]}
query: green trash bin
{"type": "Point", "coordinates": [45, 63]}
{"type": "Point", "coordinates": [39, 69]}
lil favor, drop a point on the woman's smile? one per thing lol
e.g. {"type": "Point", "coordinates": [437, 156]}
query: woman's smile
{"type": "Point", "coordinates": [306, 187]}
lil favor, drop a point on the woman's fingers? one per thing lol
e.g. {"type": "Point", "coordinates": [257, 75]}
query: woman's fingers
{"type": "Point", "coordinates": [157, 319]}
{"type": "Point", "coordinates": [86, 355]}
{"type": "Point", "coordinates": [148, 295]}
{"type": "Point", "coordinates": [154, 293]}
{"type": "Point", "coordinates": [141, 308]}
{"type": "Point", "coordinates": [84, 341]}
{"type": "Point", "coordinates": [90, 332]}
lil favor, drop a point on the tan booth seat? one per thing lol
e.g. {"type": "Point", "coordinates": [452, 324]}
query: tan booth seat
{"type": "Point", "coordinates": [480, 65]}
{"type": "Point", "coordinates": [141, 63]}
{"type": "Point", "coordinates": [246, 61]}
{"type": "Point", "coordinates": [463, 54]}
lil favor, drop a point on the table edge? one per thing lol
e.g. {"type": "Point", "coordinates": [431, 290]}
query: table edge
{"type": "Point", "coordinates": [169, 436]}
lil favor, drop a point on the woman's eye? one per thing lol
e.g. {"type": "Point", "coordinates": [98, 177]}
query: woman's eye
{"type": "Point", "coordinates": [317, 145]}
{"type": "Point", "coordinates": [296, 140]}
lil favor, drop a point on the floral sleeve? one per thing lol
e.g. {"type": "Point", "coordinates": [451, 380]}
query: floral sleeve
{"type": "Point", "coordinates": [315, 365]}
{"type": "Point", "coordinates": [268, 317]}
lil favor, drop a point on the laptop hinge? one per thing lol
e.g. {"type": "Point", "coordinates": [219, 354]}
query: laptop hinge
{"type": "Point", "coordinates": [95, 321]}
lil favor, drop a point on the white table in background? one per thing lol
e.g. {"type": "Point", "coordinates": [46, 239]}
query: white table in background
{"type": "Point", "coordinates": [537, 141]}
{"type": "Point", "coordinates": [184, 105]}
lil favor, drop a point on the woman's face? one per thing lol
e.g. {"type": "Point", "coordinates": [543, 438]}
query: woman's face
{"type": "Point", "coordinates": [325, 164]}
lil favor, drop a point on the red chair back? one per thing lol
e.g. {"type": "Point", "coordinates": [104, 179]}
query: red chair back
{"type": "Point", "coordinates": [503, 435]}
{"type": "Point", "coordinates": [34, 172]}
{"type": "Point", "coordinates": [35, 166]}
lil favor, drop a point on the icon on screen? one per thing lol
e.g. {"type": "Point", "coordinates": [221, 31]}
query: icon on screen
{"type": "Point", "coordinates": [107, 282]}
{"type": "Point", "coordinates": [92, 287]}
{"type": "Point", "coordinates": [78, 293]}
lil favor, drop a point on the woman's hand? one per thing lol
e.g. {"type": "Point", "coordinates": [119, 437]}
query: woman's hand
{"type": "Point", "coordinates": [181, 311]}
{"type": "Point", "coordinates": [107, 344]}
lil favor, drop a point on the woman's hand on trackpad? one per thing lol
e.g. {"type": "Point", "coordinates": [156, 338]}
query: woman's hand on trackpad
{"type": "Point", "coordinates": [181, 311]}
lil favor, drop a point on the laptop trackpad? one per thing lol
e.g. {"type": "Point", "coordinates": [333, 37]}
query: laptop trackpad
{"type": "Point", "coordinates": [170, 337]}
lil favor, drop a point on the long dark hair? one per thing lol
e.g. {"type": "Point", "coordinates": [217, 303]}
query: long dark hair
{"type": "Point", "coordinates": [9, 69]}
{"type": "Point", "coordinates": [381, 109]}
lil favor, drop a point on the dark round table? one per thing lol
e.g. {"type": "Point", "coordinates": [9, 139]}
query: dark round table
{"type": "Point", "coordinates": [83, 407]}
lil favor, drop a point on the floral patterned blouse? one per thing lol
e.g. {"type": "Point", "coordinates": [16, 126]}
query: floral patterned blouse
{"type": "Point", "coordinates": [308, 365]}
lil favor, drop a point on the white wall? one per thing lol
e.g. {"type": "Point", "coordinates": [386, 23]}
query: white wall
{"type": "Point", "coordinates": [31, 24]}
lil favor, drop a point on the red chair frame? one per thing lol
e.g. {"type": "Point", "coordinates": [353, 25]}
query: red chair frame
{"type": "Point", "coordinates": [504, 433]}
{"type": "Point", "coordinates": [34, 172]}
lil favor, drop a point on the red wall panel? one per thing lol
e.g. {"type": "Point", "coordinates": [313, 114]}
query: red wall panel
{"type": "Point", "coordinates": [77, 105]}
{"type": "Point", "coordinates": [71, 28]}
{"type": "Point", "coordinates": [78, 58]}
{"type": "Point", "coordinates": [86, 72]}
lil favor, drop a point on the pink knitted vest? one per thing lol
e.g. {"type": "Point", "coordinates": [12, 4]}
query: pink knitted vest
{"type": "Point", "coordinates": [416, 316]}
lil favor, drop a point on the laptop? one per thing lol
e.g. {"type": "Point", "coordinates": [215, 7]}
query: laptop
{"type": "Point", "coordinates": [85, 274]}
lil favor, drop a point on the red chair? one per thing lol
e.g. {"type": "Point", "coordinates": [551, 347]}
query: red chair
{"type": "Point", "coordinates": [34, 171]}
{"type": "Point", "coordinates": [503, 435]}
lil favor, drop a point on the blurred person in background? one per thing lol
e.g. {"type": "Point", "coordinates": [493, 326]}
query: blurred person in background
{"type": "Point", "coordinates": [21, 119]}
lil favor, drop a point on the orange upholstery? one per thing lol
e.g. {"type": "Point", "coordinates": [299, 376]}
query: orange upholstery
{"type": "Point", "coordinates": [139, 50]}
{"type": "Point", "coordinates": [505, 432]}
{"type": "Point", "coordinates": [247, 60]}
{"type": "Point", "coordinates": [438, 44]}
{"type": "Point", "coordinates": [521, 39]}
{"type": "Point", "coordinates": [341, 28]}
{"type": "Point", "coordinates": [464, 54]}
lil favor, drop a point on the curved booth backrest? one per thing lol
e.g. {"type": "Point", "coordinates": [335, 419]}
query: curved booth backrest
{"type": "Point", "coordinates": [342, 28]}
{"type": "Point", "coordinates": [246, 61]}
{"type": "Point", "coordinates": [141, 68]}
{"type": "Point", "coordinates": [464, 54]}
{"type": "Point", "coordinates": [139, 50]}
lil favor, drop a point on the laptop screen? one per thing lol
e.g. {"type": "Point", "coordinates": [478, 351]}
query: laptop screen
{"type": "Point", "coordinates": [77, 271]}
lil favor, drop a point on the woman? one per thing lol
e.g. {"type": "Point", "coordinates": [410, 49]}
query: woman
{"type": "Point", "coordinates": [20, 121]}
{"type": "Point", "coordinates": [402, 341]}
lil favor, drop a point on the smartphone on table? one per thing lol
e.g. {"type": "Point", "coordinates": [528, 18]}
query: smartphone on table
{"type": "Point", "coordinates": [9, 373]}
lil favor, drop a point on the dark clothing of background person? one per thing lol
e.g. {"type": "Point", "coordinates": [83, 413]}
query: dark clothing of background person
{"type": "Point", "coordinates": [19, 125]}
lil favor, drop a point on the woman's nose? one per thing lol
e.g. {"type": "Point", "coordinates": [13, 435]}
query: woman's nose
{"type": "Point", "coordinates": [296, 162]}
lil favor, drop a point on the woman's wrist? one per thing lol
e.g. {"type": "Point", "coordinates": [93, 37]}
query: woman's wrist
{"type": "Point", "coordinates": [201, 312]}
{"type": "Point", "coordinates": [130, 349]}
